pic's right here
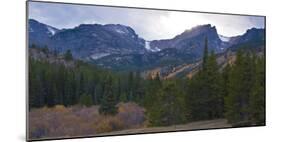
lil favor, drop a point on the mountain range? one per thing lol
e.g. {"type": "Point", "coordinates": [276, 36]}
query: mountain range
{"type": "Point", "coordinates": [119, 47]}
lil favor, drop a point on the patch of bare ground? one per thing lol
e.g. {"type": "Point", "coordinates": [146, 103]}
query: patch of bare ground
{"type": "Point", "coordinates": [208, 124]}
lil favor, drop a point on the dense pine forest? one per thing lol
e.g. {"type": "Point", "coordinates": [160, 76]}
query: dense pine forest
{"type": "Point", "coordinates": [235, 92]}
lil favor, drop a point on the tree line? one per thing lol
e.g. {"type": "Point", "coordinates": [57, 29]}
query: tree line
{"type": "Point", "coordinates": [53, 84]}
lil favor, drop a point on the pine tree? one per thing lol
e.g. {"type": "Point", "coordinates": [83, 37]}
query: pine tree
{"type": "Point", "coordinates": [241, 81]}
{"type": "Point", "coordinates": [205, 54]}
{"type": "Point", "coordinates": [195, 99]}
{"type": "Point", "coordinates": [130, 86]}
{"type": "Point", "coordinates": [232, 99]}
{"type": "Point", "coordinates": [108, 103]}
{"type": "Point", "coordinates": [119, 90]}
{"type": "Point", "coordinates": [138, 89]}
{"type": "Point", "coordinates": [169, 107]}
{"type": "Point", "coordinates": [225, 84]}
{"type": "Point", "coordinates": [257, 95]}
{"type": "Point", "coordinates": [213, 84]}
{"type": "Point", "coordinates": [68, 55]}
{"type": "Point", "coordinates": [204, 94]}
{"type": "Point", "coordinates": [151, 88]}
{"type": "Point", "coordinates": [35, 88]}
{"type": "Point", "coordinates": [50, 91]}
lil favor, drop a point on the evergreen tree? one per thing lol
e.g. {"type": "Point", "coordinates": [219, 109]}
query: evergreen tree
{"type": "Point", "coordinates": [68, 55]}
{"type": "Point", "coordinates": [138, 89]}
{"type": "Point", "coordinates": [205, 54]}
{"type": "Point", "coordinates": [35, 90]}
{"type": "Point", "coordinates": [169, 107]}
{"type": "Point", "coordinates": [197, 98]}
{"type": "Point", "coordinates": [225, 84]}
{"type": "Point", "coordinates": [213, 84]}
{"type": "Point", "coordinates": [257, 95]}
{"type": "Point", "coordinates": [130, 86]}
{"type": "Point", "coordinates": [241, 80]}
{"type": "Point", "coordinates": [151, 88]}
{"type": "Point", "coordinates": [119, 90]}
{"type": "Point", "coordinates": [49, 88]}
{"type": "Point", "coordinates": [204, 92]}
{"type": "Point", "coordinates": [232, 99]}
{"type": "Point", "coordinates": [108, 103]}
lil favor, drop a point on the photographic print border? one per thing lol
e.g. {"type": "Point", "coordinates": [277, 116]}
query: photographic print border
{"type": "Point", "coordinates": [157, 9]}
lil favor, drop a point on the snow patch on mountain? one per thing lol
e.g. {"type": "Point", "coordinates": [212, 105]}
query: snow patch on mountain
{"type": "Point", "coordinates": [224, 38]}
{"type": "Point", "coordinates": [156, 49]}
{"type": "Point", "coordinates": [51, 30]}
{"type": "Point", "coordinates": [147, 47]}
{"type": "Point", "coordinates": [99, 55]}
{"type": "Point", "coordinates": [117, 28]}
{"type": "Point", "coordinates": [120, 31]}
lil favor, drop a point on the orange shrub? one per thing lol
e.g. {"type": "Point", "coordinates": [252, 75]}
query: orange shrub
{"type": "Point", "coordinates": [60, 121]}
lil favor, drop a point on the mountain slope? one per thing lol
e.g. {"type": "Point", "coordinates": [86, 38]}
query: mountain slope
{"type": "Point", "coordinates": [192, 41]}
{"type": "Point", "coordinates": [87, 41]}
{"type": "Point", "coordinates": [118, 47]}
{"type": "Point", "coordinates": [253, 39]}
{"type": "Point", "coordinates": [184, 48]}
{"type": "Point", "coordinates": [93, 41]}
{"type": "Point", "coordinates": [40, 33]}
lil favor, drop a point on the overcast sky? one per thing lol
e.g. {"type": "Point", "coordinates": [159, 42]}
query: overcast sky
{"type": "Point", "coordinates": [149, 24]}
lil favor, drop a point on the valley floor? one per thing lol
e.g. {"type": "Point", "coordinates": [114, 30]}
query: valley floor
{"type": "Point", "coordinates": [208, 124]}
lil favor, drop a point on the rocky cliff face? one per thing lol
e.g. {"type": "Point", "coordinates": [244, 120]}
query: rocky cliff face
{"type": "Point", "coordinates": [192, 41]}
{"type": "Point", "coordinates": [39, 33]}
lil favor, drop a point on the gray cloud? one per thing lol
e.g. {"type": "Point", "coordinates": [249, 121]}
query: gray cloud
{"type": "Point", "coordinates": [150, 24]}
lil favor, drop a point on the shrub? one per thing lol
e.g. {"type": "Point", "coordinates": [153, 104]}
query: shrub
{"type": "Point", "coordinates": [108, 124]}
{"type": "Point", "coordinates": [131, 114]}
{"type": "Point", "coordinates": [60, 121]}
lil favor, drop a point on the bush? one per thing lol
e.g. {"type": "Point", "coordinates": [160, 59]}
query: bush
{"type": "Point", "coordinates": [60, 121]}
{"type": "Point", "coordinates": [108, 124]}
{"type": "Point", "coordinates": [131, 114]}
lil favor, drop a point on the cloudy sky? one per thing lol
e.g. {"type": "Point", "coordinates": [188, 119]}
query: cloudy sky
{"type": "Point", "coordinates": [149, 24]}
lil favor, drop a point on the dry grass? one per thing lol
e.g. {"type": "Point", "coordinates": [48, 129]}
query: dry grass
{"type": "Point", "coordinates": [81, 121]}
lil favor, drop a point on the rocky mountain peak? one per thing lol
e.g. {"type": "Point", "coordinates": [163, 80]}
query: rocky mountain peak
{"type": "Point", "coordinates": [116, 45]}
{"type": "Point", "coordinates": [206, 30]}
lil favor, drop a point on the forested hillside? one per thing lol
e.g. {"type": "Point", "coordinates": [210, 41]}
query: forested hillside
{"type": "Point", "coordinates": [235, 92]}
